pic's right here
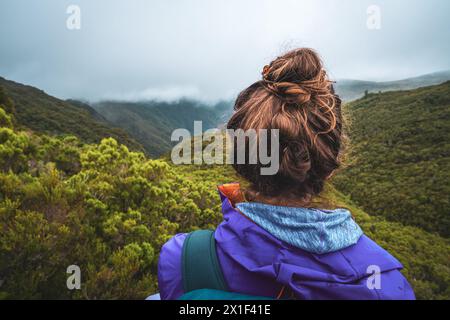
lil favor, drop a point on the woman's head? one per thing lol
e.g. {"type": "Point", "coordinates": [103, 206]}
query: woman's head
{"type": "Point", "coordinates": [295, 97]}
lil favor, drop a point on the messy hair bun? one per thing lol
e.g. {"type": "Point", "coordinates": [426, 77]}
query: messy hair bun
{"type": "Point", "coordinates": [296, 97]}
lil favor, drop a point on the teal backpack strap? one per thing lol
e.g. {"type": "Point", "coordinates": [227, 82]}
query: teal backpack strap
{"type": "Point", "coordinates": [211, 294]}
{"type": "Point", "coordinates": [200, 265]}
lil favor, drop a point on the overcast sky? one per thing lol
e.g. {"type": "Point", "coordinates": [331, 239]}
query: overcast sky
{"type": "Point", "coordinates": [211, 49]}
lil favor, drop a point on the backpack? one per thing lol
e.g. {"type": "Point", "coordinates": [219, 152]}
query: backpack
{"type": "Point", "coordinates": [201, 272]}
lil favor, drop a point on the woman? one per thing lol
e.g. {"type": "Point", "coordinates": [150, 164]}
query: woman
{"type": "Point", "coordinates": [275, 240]}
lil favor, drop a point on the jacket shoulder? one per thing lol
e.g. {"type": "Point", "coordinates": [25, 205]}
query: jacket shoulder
{"type": "Point", "coordinates": [394, 286]}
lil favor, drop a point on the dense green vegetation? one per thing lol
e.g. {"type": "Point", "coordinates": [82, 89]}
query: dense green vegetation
{"type": "Point", "coordinates": [109, 210]}
{"type": "Point", "coordinates": [34, 109]}
{"type": "Point", "coordinates": [152, 123]}
{"type": "Point", "coordinates": [101, 207]}
{"type": "Point", "coordinates": [399, 157]}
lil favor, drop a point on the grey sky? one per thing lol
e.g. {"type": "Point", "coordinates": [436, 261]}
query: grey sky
{"type": "Point", "coordinates": [210, 49]}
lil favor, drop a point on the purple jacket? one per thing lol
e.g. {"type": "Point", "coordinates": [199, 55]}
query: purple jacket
{"type": "Point", "coordinates": [309, 253]}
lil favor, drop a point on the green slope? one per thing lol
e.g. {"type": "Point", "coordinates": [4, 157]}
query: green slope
{"type": "Point", "coordinates": [151, 123]}
{"type": "Point", "coordinates": [36, 110]}
{"type": "Point", "coordinates": [399, 156]}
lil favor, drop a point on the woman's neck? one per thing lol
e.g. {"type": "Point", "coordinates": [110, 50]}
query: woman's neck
{"type": "Point", "coordinates": [282, 200]}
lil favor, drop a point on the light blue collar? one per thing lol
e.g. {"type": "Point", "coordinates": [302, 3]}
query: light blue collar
{"type": "Point", "coordinates": [313, 230]}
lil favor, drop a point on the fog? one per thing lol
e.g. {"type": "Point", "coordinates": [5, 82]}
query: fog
{"type": "Point", "coordinates": [209, 50]}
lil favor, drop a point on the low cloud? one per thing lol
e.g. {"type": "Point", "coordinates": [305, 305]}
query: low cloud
{"type": "Point", "coordinates": [210, 50]}
{"type": "Point", "coordinates": [155, 93]}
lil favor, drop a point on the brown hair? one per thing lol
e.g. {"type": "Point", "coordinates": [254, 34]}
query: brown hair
{"type": "Point", "coordinates": [296, 97]}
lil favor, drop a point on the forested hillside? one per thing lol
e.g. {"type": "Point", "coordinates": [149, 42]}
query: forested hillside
{"type": "Point", "coordinates": [399, 157]}
{"type": "Point", "coordinates": [152, 122]}
{"type": "Point", "coordinates": [36, 110]}
{"type": "Point", "coordinates": [109, 210]}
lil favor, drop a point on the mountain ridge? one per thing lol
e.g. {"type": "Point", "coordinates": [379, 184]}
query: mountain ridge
{"type": "Point", "coordinates": [351, 89]}
{"type": "Point", "coordinates": [152, 122]}
{"type": "Point", "coordinates": [40, 112]}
